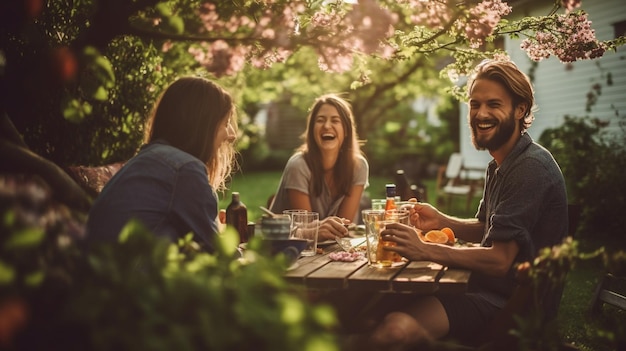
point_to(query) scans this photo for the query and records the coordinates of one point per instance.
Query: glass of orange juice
(375, 222)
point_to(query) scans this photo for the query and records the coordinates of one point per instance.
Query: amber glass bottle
(237, 216)
(385, 256)
(391, 197)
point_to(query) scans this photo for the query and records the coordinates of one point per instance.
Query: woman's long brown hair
(343, 169)
(187, 116)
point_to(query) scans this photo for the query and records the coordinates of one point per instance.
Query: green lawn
(255, 189)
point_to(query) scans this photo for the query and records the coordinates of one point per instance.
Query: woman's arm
(351, 203)
(299, 200)
(330, 227)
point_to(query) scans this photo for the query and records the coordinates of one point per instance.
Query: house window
(619, 29)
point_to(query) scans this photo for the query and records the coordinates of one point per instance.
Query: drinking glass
(378, 204)
(375, 222)
(290, 214)
(371, 220)
(306, 226)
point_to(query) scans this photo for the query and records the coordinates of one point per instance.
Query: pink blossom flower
(570, 5)
(219, 57)
(570, 39)
(482, 20)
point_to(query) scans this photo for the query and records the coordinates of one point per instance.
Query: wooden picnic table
(421, 277)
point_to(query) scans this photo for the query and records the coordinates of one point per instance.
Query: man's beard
(504, 132)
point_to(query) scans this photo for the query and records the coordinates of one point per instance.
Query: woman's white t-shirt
(297, 176)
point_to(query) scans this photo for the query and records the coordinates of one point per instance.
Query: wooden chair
(610, 290)
(452, 181)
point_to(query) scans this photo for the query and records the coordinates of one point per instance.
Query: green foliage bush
(142, 292)
(593, 163)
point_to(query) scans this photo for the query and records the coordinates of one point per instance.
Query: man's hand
(408, 243)
(424, 216)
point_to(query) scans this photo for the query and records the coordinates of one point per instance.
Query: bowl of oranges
(439, 236)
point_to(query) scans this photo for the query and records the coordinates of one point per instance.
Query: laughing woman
(328, 173)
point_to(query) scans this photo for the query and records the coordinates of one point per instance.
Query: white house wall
(561, 90)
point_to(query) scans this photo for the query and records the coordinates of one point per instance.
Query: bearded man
(523, 209)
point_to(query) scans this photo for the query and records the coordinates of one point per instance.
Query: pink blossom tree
(271, 31)
(109, 58)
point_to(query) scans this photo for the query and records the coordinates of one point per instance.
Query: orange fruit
(450, 233)
(436, 236)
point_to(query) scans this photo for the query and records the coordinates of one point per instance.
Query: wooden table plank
(370, 278)
(417, 277)
(454, 281)
(421, 277)
(305, 266)
(333, 275)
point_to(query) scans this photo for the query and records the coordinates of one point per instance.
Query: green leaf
(130, 229)
(105, 70)
(74, 110)
(98, 76)
(101, 94)
(25, 238)
(91, 52)
(71, 110)
(325, 316)
(293, 310)
(7, 273)
(320, 344)
(34, 279)
(227, 241)
(164, 9)
(9, 218)
(176, 25)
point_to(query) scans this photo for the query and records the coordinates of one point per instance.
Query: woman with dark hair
(328, 172)
(170, 185)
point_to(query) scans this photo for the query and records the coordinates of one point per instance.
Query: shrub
(593, 163)
(142, 292)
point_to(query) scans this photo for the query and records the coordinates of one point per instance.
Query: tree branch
(359, 110)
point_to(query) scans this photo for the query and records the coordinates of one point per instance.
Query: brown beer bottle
(387, 257)
(403, 189)
(237, 217)
(391, 197)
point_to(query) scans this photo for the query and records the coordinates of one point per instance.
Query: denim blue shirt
(524, 200)
(166, 189)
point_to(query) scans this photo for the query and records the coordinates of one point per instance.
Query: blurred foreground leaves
(141, 292)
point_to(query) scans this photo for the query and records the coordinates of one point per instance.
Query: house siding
(561, 89)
